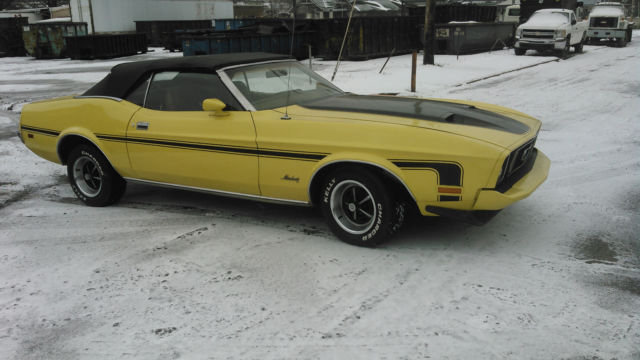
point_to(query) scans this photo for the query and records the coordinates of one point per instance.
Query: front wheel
(358, 207)
(520, 52)
(92, 178)
(564, 53)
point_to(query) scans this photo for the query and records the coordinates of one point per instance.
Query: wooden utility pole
(427, 34)
(414, 61)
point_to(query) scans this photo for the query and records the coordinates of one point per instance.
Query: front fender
(359, 158)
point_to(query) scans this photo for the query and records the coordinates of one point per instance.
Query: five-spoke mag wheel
(92, 178)
(360, 207)
(353, 207)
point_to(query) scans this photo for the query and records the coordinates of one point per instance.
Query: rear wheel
(579, 46)
(92, 178)
(359, 208)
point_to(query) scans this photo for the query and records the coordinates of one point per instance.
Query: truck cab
(551, 30)
(608, 22)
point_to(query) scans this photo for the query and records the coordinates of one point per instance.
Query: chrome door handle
(142, 125)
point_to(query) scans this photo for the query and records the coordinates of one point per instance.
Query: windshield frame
(242, 99)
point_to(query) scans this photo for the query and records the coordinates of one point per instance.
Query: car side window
(185, 91)
(136, 96)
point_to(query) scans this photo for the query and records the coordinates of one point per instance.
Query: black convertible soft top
(124, 76)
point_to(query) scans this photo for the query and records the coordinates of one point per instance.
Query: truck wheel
(629, 33)
(621, 42)
(564, 53)
(359, 208)
(578, 47)
(520, 52)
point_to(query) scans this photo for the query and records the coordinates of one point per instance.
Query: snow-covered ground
(168, 274)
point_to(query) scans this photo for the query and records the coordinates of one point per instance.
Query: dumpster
(46, 40)
(156, 30)
(105, 46)
(369, 37)
(11, 43)
(465, 38)
(229, 42)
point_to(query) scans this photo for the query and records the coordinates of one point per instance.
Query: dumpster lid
(124, 76)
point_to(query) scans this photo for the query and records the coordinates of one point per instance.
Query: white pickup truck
(551, 29)
(607, 22)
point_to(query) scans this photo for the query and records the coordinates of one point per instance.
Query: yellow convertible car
(265, 127)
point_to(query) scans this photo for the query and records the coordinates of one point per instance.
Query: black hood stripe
(431, 110)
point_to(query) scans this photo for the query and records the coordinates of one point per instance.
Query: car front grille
(603, 22)
(538, 34)
(517, 165)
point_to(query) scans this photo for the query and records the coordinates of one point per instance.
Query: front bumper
(540, 45)
(606, 33)
(491, 199)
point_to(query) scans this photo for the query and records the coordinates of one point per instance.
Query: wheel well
(68, 143)
(391, 181)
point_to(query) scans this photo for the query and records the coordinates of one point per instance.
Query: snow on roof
(55, 20)
(601, 10)
(548, 17)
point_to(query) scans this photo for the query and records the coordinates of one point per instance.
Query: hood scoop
(430, 110)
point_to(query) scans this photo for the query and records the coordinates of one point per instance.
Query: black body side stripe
(449, 173)
(41, 131)
(219, 148)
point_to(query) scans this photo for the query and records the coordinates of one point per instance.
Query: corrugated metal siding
(119, 15)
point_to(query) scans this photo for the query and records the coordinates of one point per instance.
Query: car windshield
(551, 18)
(275, 85)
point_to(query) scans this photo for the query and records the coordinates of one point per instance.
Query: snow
(606, 11)
(546, 18)
(174, 274)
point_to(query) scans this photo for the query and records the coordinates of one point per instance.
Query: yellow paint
(250, 148)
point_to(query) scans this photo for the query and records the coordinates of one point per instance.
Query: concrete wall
(119, 15)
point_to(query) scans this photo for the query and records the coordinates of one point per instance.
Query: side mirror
(215, 106)
(573, 22)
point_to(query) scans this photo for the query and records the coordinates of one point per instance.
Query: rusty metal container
(47, 40)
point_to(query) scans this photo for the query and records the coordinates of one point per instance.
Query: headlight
(519, 32)
(561, 34)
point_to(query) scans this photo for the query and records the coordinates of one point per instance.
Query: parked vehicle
(551, 30)
(265, 127)
(608, 22)
(510, 14)
(528, 7)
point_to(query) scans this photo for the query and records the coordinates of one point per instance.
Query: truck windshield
(543, 18)
(275, 85)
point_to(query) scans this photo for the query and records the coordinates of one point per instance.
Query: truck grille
(603, 22)
(517, 165)
(538, 34)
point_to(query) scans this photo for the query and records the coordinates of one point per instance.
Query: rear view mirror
(214, 105)
(573, 22)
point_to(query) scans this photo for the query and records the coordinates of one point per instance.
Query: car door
(172, 140)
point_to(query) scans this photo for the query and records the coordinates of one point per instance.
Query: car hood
(494, 124)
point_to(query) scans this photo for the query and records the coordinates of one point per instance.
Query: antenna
(293, 34)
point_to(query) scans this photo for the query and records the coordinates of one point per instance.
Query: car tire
(520, 52)
(92, 178)
(359, 208)
(621, 42)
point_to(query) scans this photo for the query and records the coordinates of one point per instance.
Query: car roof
(124, 77)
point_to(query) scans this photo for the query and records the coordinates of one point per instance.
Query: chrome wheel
(353, 207)
(87, 176)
